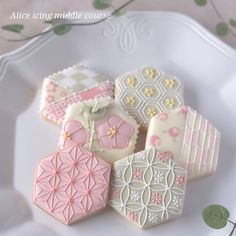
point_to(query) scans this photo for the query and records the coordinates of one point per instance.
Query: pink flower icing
(114, 133)
(155, 141)
(163, 116)
(51, 87)
(174, 132)
(164, 156)
(73, 133)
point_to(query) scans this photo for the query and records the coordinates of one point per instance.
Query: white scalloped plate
(172, 41)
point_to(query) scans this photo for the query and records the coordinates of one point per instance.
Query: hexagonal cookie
(149, 88)
(71, 85)
(189, 137)
(71, 184)
(148, 188)
(101, 126)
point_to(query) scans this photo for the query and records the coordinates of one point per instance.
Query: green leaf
(101, 4)
(61, 29)
(52, 21)
(119, 13)
(201, 3)
(222, 29)
(232, 22)
(17, 28)
(215, 216)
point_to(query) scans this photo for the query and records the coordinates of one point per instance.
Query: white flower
(177, 201)
(135, 196)
(152, 217)
(140, 155)
(158, 176)
(117, 173)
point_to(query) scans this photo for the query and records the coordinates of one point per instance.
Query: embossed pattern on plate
(171, 41)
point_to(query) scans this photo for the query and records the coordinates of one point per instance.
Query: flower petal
(114, 121)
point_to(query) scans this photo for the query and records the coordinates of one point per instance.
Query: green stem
(231, 233)
(220, 17)
(70, 24)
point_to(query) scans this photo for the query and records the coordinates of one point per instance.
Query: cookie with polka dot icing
(188, 137)
(102, 127)
(148, 188)
(71, 184)
(146, 92)
(71, 85)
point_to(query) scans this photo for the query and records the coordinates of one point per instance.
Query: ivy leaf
(119, 13)
(101, 4)
(215, 216)
(232, 22)
(201, 3)
(222, 29)
(16, 28)
(61, 29)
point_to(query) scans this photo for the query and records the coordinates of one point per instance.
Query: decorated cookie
(73, 82)
(147, 92)
(71, 184)
(188, 137)
(55, 111)
(102, 127)
(148, 188)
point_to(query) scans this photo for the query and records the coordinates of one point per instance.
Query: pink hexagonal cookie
(71, 184)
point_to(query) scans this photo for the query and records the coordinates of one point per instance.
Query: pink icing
(155, 141)
(71, 184)
(56, 111)
(114, 132)
(174, 132)
(165, 156)
(163, 116)
(73, 133)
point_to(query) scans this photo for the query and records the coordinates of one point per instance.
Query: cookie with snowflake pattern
(148, 188)
(102, 127)
(188, 137)
(71, 184)
(146, 92)
(71, 85)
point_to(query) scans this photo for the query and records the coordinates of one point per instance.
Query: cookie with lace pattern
(148, 188)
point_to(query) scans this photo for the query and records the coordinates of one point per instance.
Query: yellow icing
(170, 83)
(170, 102)
(149, 92)
(150, 72)
(131, 81)
(151, 111)
(112, 131)
(130, 100)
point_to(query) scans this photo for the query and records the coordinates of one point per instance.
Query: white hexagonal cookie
(187, 136)
(148, 188)
(147, 92)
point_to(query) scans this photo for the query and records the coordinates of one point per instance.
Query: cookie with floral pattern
(188, 137)
(148, 189)
(101, 126)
